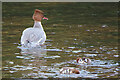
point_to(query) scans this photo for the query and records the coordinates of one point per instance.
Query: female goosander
(69, 70)
(35, 36)
(83, 60)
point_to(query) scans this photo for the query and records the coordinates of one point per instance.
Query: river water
(73, 30)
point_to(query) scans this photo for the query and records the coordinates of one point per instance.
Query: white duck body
(33, 37)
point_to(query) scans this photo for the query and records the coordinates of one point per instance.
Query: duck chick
(83, 60)
(69, 70)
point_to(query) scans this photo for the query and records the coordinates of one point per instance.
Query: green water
(73, 30)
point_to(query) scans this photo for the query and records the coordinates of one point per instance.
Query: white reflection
(36, 51)
(33, 57)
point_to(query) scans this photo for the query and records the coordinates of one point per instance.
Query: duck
(69, 70)
(83, 60)
(34, 36)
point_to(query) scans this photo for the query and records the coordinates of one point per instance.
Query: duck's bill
(45, 18)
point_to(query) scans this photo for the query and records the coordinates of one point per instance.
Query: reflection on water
(93, 33)
(37, 52)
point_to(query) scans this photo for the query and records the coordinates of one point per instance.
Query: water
(73, 30)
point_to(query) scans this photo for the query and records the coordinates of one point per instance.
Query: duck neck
(37, 24)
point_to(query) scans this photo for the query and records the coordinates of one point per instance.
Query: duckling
(83, 60)
(69, 70)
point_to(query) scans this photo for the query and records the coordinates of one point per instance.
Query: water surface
(73, 30)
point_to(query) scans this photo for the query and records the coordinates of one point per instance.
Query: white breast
(32, 37)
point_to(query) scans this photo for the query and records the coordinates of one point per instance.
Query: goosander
(69, 70)
(83, 60)
(35, 36)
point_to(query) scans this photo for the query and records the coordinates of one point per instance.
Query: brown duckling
(69, 70)
(83, 60)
